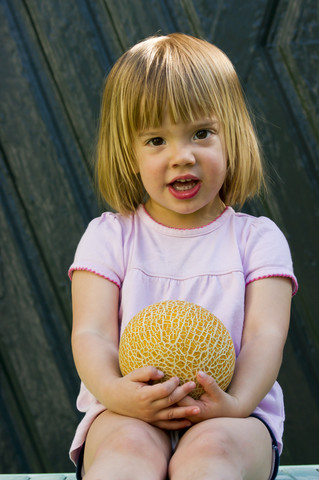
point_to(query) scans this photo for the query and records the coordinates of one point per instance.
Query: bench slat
(298, 472)
(295, 472)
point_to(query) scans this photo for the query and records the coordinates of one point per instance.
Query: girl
(176, 151)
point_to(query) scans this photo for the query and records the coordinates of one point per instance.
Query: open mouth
(183, 185)
(184, 188)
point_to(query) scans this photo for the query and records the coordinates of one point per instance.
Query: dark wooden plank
(290, 43)
(284, 130)
(135, 21)
(15, 447)
(79, 47)
(35, 346)
(40, 148)
(224, 23)
(34, 186)
(297, 387)
(47, 200)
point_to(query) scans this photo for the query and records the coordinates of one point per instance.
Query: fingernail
(161, 374)
(201, 374)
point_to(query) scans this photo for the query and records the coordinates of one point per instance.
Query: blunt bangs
(172, 77)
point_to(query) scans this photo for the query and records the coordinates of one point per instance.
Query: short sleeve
(100, 249)
(267, 253)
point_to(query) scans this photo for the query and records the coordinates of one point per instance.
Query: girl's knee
(224, 449)
(210, 451)
(134, 448)
(205, 458)
(131, 438)
(210, 442)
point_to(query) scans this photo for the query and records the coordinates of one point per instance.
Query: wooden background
(54, 55)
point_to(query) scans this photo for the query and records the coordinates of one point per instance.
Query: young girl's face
(182, 167)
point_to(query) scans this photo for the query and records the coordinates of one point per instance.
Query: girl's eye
(156, 142)
(202, 134)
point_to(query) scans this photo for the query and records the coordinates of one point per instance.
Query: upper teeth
(184, 180)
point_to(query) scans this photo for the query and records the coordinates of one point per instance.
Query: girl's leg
(223, 449)
(119, 447)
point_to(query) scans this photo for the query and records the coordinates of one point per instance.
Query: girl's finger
(165, 389)
(172, 424)
(174, 413)
(187, 402)
(171, 392)
(145, 374)
(209, 384)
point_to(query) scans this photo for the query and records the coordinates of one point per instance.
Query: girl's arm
(95, 338)
(267, 314)
(95, 330)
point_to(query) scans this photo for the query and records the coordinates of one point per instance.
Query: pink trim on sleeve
(294, 281)
(84, 269)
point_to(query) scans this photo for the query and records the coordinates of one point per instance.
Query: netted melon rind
(179, 338)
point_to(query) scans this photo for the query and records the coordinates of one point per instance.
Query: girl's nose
(182, 155)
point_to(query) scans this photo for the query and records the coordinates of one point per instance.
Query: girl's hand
(157, 404)
(213, 403)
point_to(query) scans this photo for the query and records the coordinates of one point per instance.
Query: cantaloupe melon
(179, 338)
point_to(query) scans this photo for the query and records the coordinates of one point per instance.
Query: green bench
(297, 472)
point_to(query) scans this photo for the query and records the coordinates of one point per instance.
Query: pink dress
(209, 266)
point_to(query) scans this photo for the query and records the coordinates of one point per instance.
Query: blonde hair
(190, 77)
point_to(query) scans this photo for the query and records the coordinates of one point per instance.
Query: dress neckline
(183, 232)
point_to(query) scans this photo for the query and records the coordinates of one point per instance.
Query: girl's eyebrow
(148, 133)
(209, 122)
(202, 123)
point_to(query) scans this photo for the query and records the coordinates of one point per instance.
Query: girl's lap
(111, 432)
(243, 444)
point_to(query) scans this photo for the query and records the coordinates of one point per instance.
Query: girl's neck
(184, 221)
